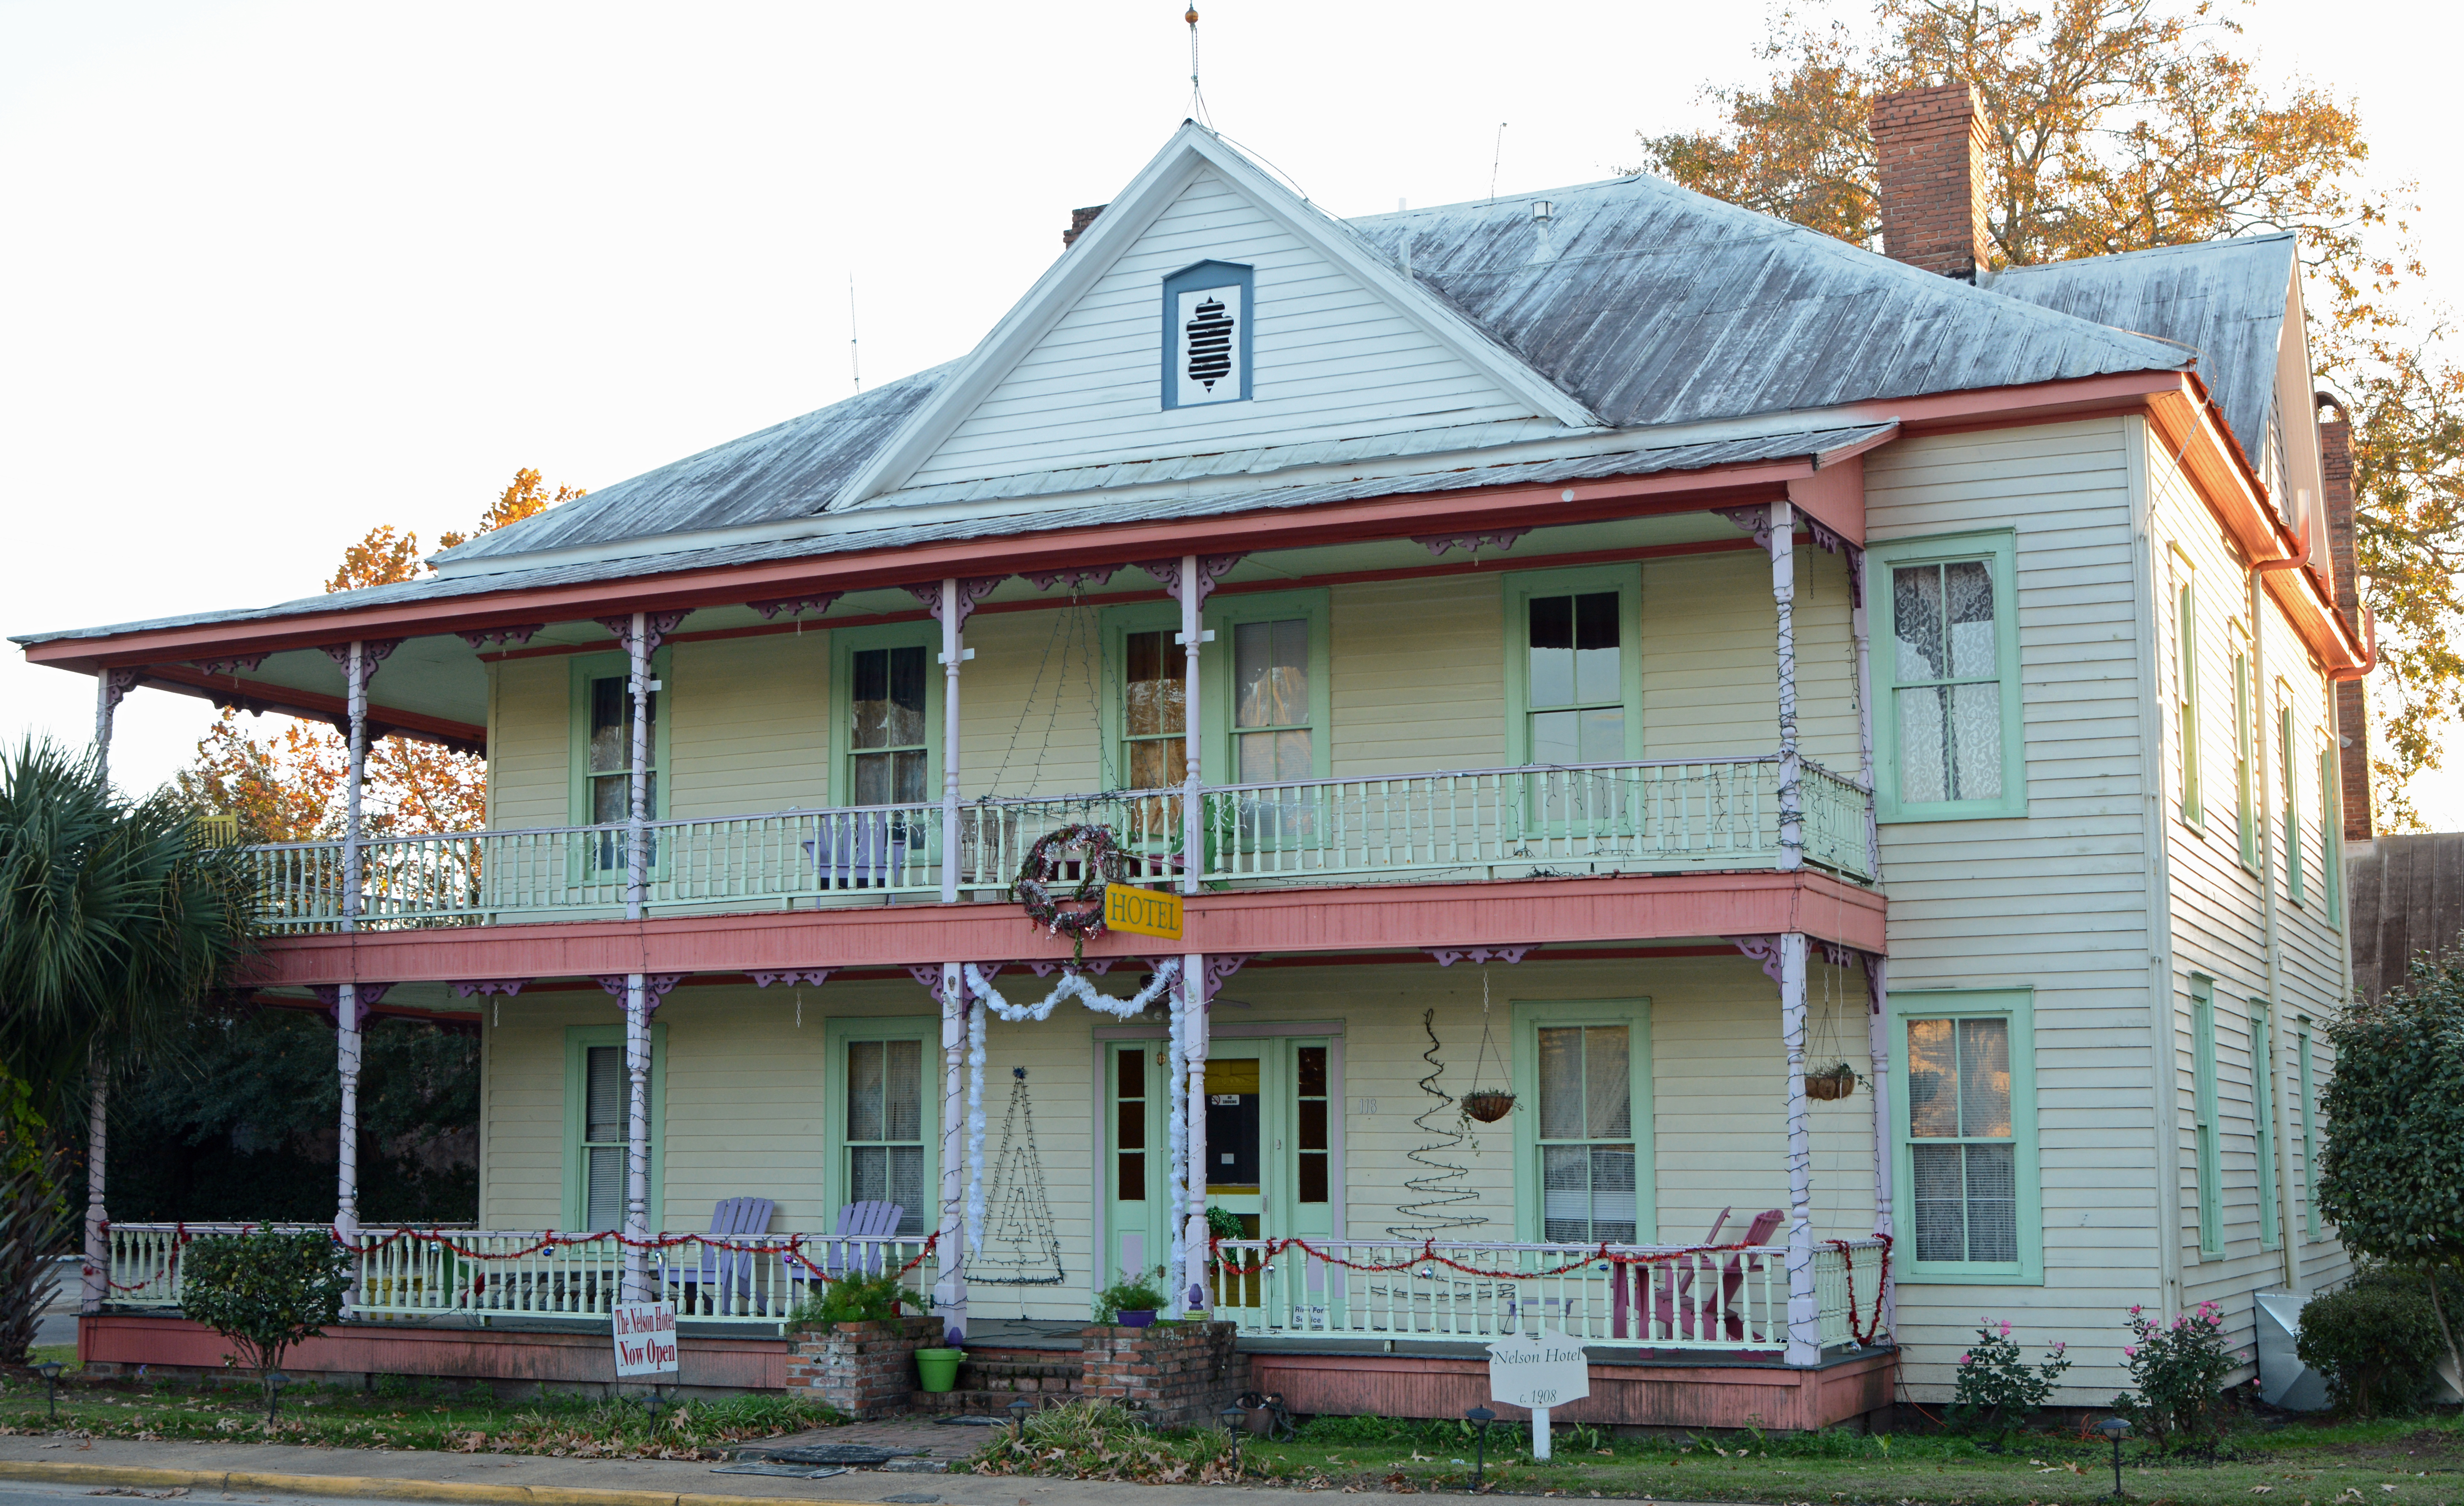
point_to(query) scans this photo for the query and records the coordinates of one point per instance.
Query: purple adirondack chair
(720, 1270)
(857, 1222)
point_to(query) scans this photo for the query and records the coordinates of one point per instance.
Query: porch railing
(411, 1274)
(1659, 1297)
(1494, 823)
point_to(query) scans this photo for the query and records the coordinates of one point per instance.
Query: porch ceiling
(1543, 911)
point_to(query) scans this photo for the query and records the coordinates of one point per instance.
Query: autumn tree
(2123, 124)
(288, 786)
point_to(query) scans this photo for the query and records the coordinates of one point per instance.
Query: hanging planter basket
(1488, 1106)
(1831, 1083)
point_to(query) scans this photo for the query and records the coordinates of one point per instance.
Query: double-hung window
(2186, 688)
(2207, 1130)
(2245, 752)
(2309, 1131)
(2331, 833)
(1947, 730)
(1154, 710)
(603, 755)
(884, 1124)
(2262, 1110)
(1968, 1191)
(1584, 1150)
(598, 1124)
(887, 726)
(2286, 742)
(1573, 681)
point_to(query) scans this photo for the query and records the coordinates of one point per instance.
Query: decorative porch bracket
(817, 603)
(365, 997)
(235, 663)
(1078, 578)
(656, 628)
(503, 988)
(1211, 568)
(971, 590)
(1471, 545)
(1448, 956)
(815, 976)
(510, 633)
(655, 986)
(1098, 966)
(373, 652)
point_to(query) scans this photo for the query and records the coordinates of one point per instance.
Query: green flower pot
(938, 1369)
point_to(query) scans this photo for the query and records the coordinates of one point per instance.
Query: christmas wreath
(1079, 914)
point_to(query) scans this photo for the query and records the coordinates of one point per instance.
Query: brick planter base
(1178, 1374)
(862, 1370)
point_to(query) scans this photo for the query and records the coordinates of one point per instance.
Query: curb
(379, 1488)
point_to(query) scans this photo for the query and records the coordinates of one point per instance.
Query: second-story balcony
(1655, 817)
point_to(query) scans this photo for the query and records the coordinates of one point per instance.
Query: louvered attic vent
(1206, 313)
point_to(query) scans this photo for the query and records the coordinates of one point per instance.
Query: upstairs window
(1573, 681)
(2185, 688)
(1947, 724)
(2245, 752)
(885, 725)
(1206, 341)
(1154, 710)
(611, 752)
(2286, 741)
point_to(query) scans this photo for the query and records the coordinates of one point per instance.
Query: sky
(278, 272)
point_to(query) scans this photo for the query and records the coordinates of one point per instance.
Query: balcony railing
(1483, 823)
(410, 1273)
(1660, 1297)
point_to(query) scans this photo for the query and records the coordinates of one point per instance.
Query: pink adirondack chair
(720, 1270)
(1677, 1311)
(1623, 1297)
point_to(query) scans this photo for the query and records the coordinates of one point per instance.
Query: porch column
(1878, 1041)
(94, 1289)
(1804, 1313)
(637, 1003)
(1791, 790)
(346, 1007)
(1193, 821)
(1193, 1037)
(1859, 629)
(950, 1285)
(951, 656)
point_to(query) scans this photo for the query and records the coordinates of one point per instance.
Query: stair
(990, 1379)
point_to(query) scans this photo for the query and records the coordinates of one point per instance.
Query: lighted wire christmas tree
(1021, 1246)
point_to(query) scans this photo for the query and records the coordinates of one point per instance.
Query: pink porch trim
(729, 1362)
(1384, 917)
(1772, 1397)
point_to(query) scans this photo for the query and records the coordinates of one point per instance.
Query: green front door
(1136, 1162)
(1270, 1164)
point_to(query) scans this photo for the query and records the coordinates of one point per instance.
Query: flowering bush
(1998, 1389)
(2180, 1371)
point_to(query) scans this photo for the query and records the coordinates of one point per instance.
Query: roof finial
(1197, 97)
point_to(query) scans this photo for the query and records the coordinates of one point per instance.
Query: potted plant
(1134, 1300)
(1836, 1081)
(1488, 1106)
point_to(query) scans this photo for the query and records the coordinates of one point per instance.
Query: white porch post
(1858, 621)
(637, 1004)
(1792, 790)
(950, 1285)
(94, 1288)
(951, 656)
(1804, 1314)
(1193, 1035)
(1877, 1042)
(346, 1006)
(1193, 821)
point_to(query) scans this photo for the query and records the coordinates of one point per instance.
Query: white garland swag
(1071, 984)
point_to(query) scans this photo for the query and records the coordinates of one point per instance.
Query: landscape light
(2115, 1429)
(50, 1370)
(1235, 1420)
(1480, 1417)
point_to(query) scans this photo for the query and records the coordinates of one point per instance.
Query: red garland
(1848, 1269)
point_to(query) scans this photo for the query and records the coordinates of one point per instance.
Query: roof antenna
(1494, 159)
(1196, 98)
(855, 368)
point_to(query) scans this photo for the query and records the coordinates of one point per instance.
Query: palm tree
(116, 919)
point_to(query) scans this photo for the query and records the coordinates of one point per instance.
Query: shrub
(1998, 1389)
(2375, 1343)
(1132, 1294)
(855, 1299)
(265, 1291)
(2179, 1371)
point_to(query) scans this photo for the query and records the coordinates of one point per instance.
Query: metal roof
(1651, 304)
(2225, 299)
(1803, 444)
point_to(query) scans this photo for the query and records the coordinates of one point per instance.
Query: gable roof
(2227, 300)
(1638, 305)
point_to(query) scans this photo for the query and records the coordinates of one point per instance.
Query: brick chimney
(2352, 703)
(1079, 220)
(1935, 153)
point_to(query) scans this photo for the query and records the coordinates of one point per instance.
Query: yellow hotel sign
(1141, 912)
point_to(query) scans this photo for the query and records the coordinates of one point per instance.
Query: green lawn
(2298, 1464)
(402, 1414)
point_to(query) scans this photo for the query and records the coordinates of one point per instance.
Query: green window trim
(845, 644)
(1530, 1018)
(1225, 613)
(2245, 760)
(2185, 691)
(2262, 1109)
(2016, 1007)
(2210, 1163)
(2331, 834)
(578, 1041)
(1998, 549)
(2309, 1130)
(838, 1033)
(1519, 588)
(588, 668)
(2295, 888)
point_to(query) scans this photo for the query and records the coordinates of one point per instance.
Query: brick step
(1018, 1368)
(974, 1380)
(994, 1404)
(995, 1354)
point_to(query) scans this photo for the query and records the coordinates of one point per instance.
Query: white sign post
(1538, 1374)
(646, 1339)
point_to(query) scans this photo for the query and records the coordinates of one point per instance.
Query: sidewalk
(214, 1470)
